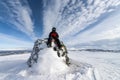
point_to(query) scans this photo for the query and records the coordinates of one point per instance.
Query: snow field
(106, 65)
(52, 67)
(84, 66)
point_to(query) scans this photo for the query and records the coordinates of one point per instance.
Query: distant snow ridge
(52, 67)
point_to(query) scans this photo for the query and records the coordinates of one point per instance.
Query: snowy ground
(106, 64)
(92, 66)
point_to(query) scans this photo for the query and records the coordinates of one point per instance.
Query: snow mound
(52, 67)
(48, 67)
(49, 63)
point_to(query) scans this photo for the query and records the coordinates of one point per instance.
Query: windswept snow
(52, 67)
(107, 65)
(49, 63)
(84, 66)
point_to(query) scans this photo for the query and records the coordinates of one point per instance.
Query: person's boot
(58, 53)
(67, 60)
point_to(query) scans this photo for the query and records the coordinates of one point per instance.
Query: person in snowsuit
(53, 35)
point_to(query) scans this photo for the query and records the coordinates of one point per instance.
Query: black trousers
(57, 41)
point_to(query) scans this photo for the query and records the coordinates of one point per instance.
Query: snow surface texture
(105, 66)
(49, 67)
(49, 63)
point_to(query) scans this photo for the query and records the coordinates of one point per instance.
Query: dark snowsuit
(54, 35)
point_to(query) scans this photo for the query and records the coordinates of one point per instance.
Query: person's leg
(58, 43)
(67, 60)
(49, 42)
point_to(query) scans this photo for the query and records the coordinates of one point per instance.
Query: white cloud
(107, 29)
(73, 16)
(51, 14)
(19, 16)
(77, 20)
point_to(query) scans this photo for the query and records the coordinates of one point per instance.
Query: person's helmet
(53, 29)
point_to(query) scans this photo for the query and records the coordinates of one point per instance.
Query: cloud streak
(72, 16)
(19, 15)
(108, 29)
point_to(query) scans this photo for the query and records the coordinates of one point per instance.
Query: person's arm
(57, 35)
(50, 34)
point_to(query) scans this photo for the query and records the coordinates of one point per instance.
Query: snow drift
(48, 67)
(51, 67)
(105, 66)
(49, 63)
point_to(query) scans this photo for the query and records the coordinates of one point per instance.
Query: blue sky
(12, 24)
(24, 21)
(7, 10)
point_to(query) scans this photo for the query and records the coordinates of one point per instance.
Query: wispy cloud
(108, 29)
(51, 12)
(77, 16)
(19, 15)
(72, 16)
